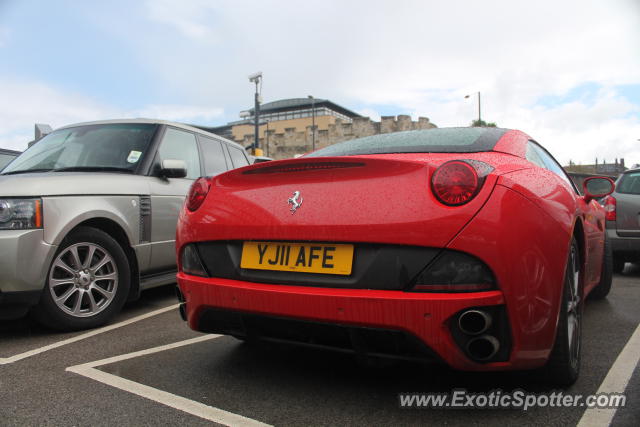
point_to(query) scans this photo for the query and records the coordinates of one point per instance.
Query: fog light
(191, 263)
(455, 271)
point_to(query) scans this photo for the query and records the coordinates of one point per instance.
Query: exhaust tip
(483, 348)
(474, 322)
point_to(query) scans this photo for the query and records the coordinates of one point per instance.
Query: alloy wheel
(574, 313)
(83, 279)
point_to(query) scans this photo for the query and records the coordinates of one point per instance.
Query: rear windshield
(629, 183)
(438, 140)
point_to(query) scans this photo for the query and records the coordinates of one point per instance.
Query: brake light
(455, 183)
(610, 208)
(197, 193)
(302, 167)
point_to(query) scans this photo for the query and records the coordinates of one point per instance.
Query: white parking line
(615, 382)
(11, 359)
(169, 399)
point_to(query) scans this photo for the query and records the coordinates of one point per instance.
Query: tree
(482, 123)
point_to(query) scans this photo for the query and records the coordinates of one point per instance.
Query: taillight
(197, 193)
(610, 208)
(458, 181)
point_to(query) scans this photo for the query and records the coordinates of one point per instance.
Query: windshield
(5, 159)
(116, 147)
(439, 140)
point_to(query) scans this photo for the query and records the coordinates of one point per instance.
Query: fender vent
(145, 219)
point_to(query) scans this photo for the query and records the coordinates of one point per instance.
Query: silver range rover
(88, 216)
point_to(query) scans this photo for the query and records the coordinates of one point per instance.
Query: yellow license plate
(299, 257)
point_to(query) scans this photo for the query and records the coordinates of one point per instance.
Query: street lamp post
(267, 138)
(313, 122)
(479, 108)
(257, 79)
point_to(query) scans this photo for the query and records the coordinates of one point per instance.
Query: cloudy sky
(566, 72)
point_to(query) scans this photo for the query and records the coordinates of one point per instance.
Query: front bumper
(422, 315)
(24, 261)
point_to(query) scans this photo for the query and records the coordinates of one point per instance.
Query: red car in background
(465, 245)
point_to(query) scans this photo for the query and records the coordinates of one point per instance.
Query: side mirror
(596, 187)
(173, 168)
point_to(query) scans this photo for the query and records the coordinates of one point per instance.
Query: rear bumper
(623, 244)
(426, 317)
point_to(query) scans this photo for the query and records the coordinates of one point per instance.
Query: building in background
(579, 173)
(602, 168)
(286, 126)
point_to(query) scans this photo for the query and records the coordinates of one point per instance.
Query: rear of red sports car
(445, 244)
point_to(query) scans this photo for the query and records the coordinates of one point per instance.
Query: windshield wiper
(92, 169)
(26, 171)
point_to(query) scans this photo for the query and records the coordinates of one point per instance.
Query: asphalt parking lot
(148, 368)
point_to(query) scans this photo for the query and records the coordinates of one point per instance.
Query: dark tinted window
(181, 145)
(214, 162)
(445, 140)
(237, 157)
(629, 183)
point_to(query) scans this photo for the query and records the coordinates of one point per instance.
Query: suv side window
(551, 163)
(214, 161)
(237, 157)
(181, 145)
(628, 183)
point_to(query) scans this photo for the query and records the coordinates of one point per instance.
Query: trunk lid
(381, 198)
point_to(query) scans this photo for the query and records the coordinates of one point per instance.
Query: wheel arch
(116, 231)
(578, 233)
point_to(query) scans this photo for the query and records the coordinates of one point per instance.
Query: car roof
(156, 122)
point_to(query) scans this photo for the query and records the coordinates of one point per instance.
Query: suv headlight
(20, 214)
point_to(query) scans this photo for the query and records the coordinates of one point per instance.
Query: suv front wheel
(87, 283)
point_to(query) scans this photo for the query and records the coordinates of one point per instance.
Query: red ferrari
(464, 245)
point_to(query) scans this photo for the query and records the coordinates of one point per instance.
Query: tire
(618, 264)
(606, 277)
(82, 293)
(563, 366)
